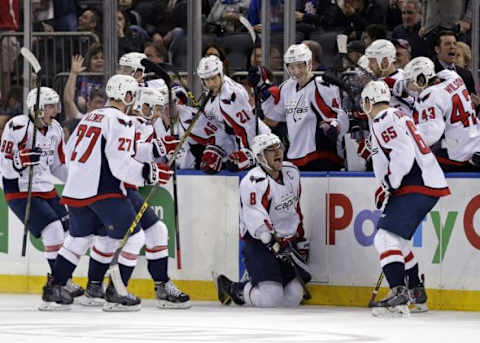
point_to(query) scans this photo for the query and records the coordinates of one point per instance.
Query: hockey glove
(330, 129)
(243, 159)
(270, 242)
(156, 173)
(164, 146)
(257, 78)
(382, 194)
(212, 159)
(303, 248)
(365, 148)
(26, 157)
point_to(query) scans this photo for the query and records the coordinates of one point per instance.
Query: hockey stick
(375, 290)
(258, 107)
(114, 270)
(32, 60)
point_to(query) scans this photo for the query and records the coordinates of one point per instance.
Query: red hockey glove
(382, 194)
(26, 157)
(365, 148)
(243, 159)
(212, 159)
(156, 173)
(164, 146)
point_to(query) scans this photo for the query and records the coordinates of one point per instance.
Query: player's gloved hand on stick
(164, 146)
(382, 193)
(156, 173)
(257, 78)
(26, 158)
(270, 242)
(212, 159)
(330, 129)
(364, 149)
(242, 158)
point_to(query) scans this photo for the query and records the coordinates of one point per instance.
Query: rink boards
(339, 218)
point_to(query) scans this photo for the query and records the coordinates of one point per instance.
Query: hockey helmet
(210, 66)
(133, 60)
(375, 92)
(119, 85)
(262, 142)
(152, 97)
(298, 53)
(48, 96)
(419, 71)
(379, 49)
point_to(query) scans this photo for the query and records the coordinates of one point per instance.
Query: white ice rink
(20, 321)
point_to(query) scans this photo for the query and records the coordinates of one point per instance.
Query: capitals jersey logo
(297, 109)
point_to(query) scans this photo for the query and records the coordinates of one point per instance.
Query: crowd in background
(158, 29)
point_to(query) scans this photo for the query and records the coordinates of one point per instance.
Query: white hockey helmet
(298, 53)
(363, 62)
(133, 60)
(152, 97)
(158, 84)
(48, 96)
(119, 85)
(420, 69)
(375, 92)
(379, 49)
(210, 66)
(262, 142)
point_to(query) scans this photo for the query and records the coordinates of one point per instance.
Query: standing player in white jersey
(411, 181)
(312, 110)
(47, 158)
(231, 114)
(445, 115)
(99, 160)
(381, 55)
(271, 228)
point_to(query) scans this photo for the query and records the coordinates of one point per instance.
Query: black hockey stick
(375, 290)
(114, 271)
(32, 60)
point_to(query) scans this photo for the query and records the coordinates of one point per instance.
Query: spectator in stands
(9, 46)
(403, 52)
(13, 104)
(90, 20)
(440, 15)
(316, 50)
(94, 63)
(126, 6)
(355, 50)
(155, 51)
(394, 14)
(410, 27)
(463, 56)
(446, 54)
(372, 33)
(224, 15)
(96, 99)
(128, 40)
(276, 60)
(65, 15)
(214, 49)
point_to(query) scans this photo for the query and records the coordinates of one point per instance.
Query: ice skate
(74, 289)
(418, 298)
(115, 302)
(395, 304)
(94, 294)
(225, 292)
(55, 297)
(169, 296)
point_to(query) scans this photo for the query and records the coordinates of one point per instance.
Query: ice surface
(20, 321)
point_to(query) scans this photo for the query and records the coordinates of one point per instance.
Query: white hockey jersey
(445, 110)
(400, 155)
(17, 135)
(266, 202)
(406, 105)
(303, 109)
(232, 114)
(99, 158)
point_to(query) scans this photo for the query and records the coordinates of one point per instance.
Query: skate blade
(114, 307)
(400, 311)
(53, 307)
(418, 308)
(228, 299)
(90, 302)
(165, 304)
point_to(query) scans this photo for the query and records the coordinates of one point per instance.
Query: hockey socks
(125, 272)
(158, 269)
(395, 274)
(51, 263)
(412, 275)
(97, 270)
(62, 270)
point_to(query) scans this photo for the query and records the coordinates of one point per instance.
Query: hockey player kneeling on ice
(49, 219)
(411, 182)
(271, 228)
(99, 161)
